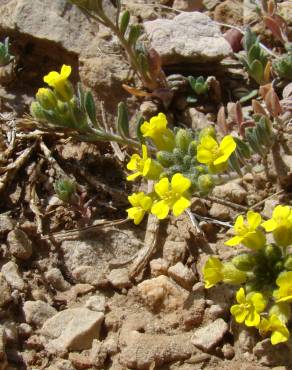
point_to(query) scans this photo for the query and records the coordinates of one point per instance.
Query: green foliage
(65, 190)
(283, 66)
(198, 85)
(5, 56)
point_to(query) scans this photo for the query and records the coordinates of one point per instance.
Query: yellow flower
(248, 233)
(248, 308)
(157, 130)
(173, 196)
(141, 204)
(59, 81)
(215, 155)
(46, 98)
(213, 272)
(281, 225)
(144, 166)
(280, 333)
(284, 282)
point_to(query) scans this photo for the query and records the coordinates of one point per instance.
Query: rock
(37, 312)
(270, 355)
(25, 330)
(188, 5)
(6, 223)
(210, 335)
(182, 275)
(56, 279)
(119, 278)
(72, 329)
(219, 212)
(196, 119)
(88, 275)
(5, 296)
(96, 303)
(162, 293)
(199, 206)
(148, 109)
(230, 191)
(215, 311)
(173, 39)
(174, 251)
(3, 358)
(61, 364)
(140, 351)
(228, 351)
(269, 206)
(158, 267)
(98, 354)
(229, 12)
(13, 277)
(20, 245)
(210, 4)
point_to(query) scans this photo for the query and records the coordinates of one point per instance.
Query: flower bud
(273, 252)
(231, 275)
(187, 162)
(36, 110)
(244, 261)
(178, 155)
(205, 184)
(288, 262)
(165, 158)
(183, 139)
(207, 131)
(46, 98)
(192, 150)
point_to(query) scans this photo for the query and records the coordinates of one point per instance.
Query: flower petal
(280, 336)
(144, 152)
(269, 225)
(65, 71)
(179, 183)
(252, 319)
(239, 313)
(136, 214)
(234, 241)
(240, 296)
(180, 205)
(162, 187)
(227, 145)
(204, 155)
(51, 78)
(254, 219)
(160, 209)
(133, 176)
(133, 164)
(258, 300)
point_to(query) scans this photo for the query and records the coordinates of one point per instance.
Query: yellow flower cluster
(266, 272)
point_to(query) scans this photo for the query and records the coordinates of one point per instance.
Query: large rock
(188, 37)
(208, 336)
(73, 329)
(12, 275)
(5, 296)
(20, 245)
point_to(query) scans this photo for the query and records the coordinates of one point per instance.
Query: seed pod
(178, 155)
(205, 183)
(192, 150)
(244, 261)
(166, 159)
(288, 262)
(273, 252)
(183, 139)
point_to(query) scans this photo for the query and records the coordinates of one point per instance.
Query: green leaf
(257, 71)
(242, 148)
(249, 39)
(123, 120)
(140, 121)
(253, 141)
(124, 22)
(135, 32)
(143, 62)
(234, 163)
(192, 82)
(252, 94)
(90, 108)
(254, 53)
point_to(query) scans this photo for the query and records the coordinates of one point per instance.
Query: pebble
(119, 278)
(174, 251)
(6, 223)
(19, 244)
(230, 191)
(183, 275)
(5, 296)
(96, 303)
(37, 312)
(158, 267)
(219, 212)
(11, 273)
(56, 279)
(207, 337)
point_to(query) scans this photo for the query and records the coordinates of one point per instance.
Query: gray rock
(6, 223)
(119, 278)
(230, 191)
(182, 275)
(188, 37)
(96, 303)
(12, 275)
(37, 312)
(72, 329)
(5, 296)
(56, 279)
(219, 212)
(210, 335)
(20, 245)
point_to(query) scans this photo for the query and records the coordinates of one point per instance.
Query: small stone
(98, 354)
(228, 351)
(61, 365)
(12, 275)
(230, 12)
(6, 223)
(148, 109)
(5, 296)
(162, 293)
(20, 245)
(182, 275)
(11, 332)
(172, 38)
(174, 251)
(37, 312)
(210, 335)
(196, 119)
(56, 279)
(72, 329)
(88, 275)
(96, 303)
(270, 204)
(119, 278)
(199, 206)
(219, 212)
(24, 330)
(158, 267)
(215, 311)
(230, 191)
